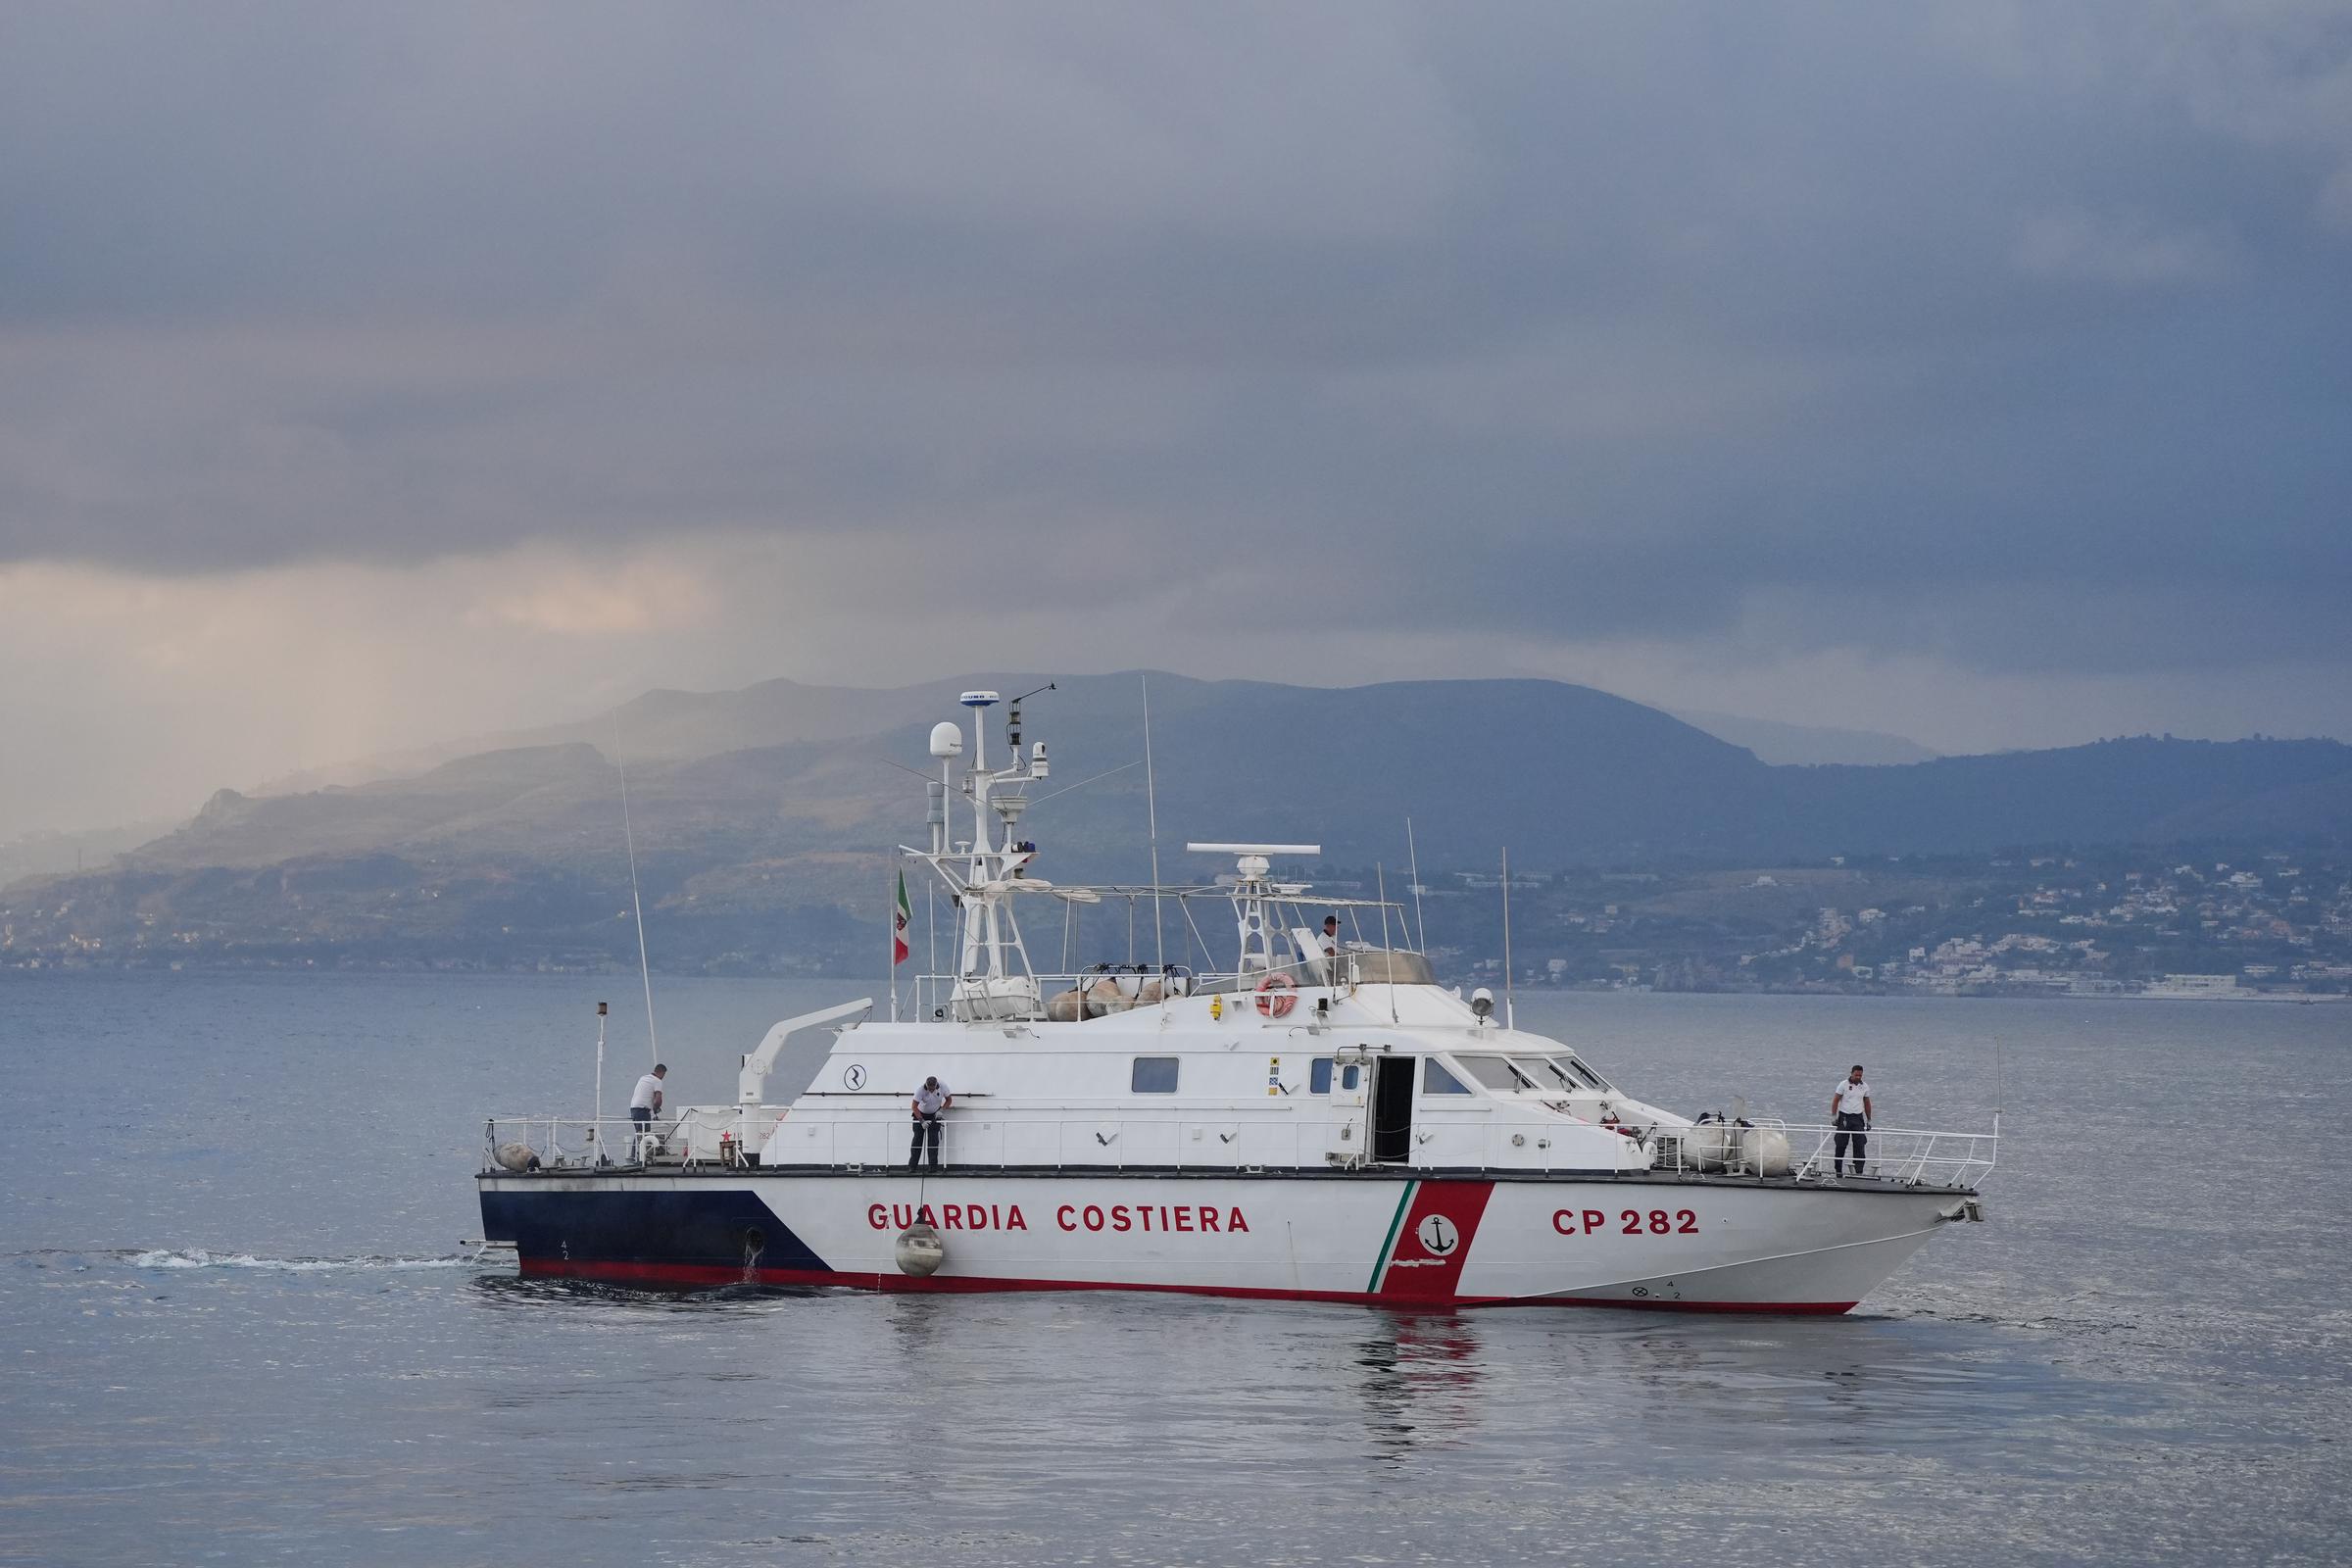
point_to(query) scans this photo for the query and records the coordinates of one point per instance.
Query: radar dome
(946, 740)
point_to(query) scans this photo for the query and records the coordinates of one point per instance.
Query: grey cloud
(2018, 333)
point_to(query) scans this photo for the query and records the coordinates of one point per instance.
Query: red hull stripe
(1434, 1242)
(703, 1276)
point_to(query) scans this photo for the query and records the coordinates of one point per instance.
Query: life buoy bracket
(1275, 996)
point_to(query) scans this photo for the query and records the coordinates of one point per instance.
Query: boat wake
(199, 1257)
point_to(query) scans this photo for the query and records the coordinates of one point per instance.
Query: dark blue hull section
(723, 1230)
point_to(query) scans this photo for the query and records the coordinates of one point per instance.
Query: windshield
(1550, 1075)
(1497, 1073)
(1584, 1076)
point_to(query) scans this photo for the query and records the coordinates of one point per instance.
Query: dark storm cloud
(2015, 336)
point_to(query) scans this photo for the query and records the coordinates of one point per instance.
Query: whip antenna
(1509, 1014)
(1152, 816)
(644, 968)
(1421, 932)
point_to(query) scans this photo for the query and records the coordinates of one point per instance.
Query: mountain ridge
(783, 845)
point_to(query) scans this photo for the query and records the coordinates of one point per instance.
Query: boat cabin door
(1391, 1109)
(1351, 1135)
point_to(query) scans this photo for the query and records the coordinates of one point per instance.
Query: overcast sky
(372, 374)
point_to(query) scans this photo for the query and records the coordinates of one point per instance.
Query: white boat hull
(1724, 1244)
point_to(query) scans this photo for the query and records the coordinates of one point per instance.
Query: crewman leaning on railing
(931, 1102)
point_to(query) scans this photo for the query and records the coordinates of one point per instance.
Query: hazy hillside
(772, 851)
(1806, 744)
(1580, 773)
(2141, 790)
(45, 853)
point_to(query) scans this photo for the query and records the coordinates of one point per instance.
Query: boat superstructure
(1318, 1118)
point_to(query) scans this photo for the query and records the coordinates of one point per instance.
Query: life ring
(1274, 998)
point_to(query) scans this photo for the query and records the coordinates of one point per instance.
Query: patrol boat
(1323, 1121)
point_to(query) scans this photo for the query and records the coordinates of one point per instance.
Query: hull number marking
(1629, 1222)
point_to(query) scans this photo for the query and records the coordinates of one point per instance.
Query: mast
(982, 956)
(1253, 896)
(989, 960)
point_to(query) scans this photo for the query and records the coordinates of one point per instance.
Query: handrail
(1242, 1140)
(579, 1142)
(1904, 1155)
(935, 995)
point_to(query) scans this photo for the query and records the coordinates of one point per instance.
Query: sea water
(237, 1325)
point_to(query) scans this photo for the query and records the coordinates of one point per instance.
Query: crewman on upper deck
(645, 1101)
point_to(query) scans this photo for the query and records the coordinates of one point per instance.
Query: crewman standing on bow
(1849, 1109)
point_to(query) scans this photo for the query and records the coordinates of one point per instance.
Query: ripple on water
(2134, 1359)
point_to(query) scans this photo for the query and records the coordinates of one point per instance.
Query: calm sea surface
(236, 1324)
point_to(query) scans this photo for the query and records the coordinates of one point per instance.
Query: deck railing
(702, 1136)
(1907, 1156)
(937, 996)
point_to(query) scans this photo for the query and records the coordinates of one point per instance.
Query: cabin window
(1351, 1075)
(1497, 1073)
(1436, 1080)
(1154, 1075)
(1318, 1076)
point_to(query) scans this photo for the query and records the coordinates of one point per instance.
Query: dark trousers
(1849, 1131)
(924, 1126)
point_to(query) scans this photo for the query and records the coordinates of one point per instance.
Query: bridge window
(1436, 1080)
(1318, 1076)
(1154, 1075)
(1496, 1073)
(1592, 1079)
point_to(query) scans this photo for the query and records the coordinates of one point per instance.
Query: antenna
(598, 1125)
(1421, 936)
(1388, 957)
(1151, 813)
(1012, 717)
(644, 968)
(1510, 1017)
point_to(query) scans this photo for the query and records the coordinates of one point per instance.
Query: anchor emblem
(1438, 1236)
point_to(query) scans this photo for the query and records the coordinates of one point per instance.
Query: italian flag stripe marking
(1388, 1246)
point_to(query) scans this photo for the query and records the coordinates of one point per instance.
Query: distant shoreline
(854, 978)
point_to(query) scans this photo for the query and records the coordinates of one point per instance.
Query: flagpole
(890, 926)
(901, 931)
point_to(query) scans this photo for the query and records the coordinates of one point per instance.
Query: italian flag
(899, 919)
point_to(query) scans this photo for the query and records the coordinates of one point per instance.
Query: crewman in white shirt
(930, 1101)
(647, 1097)
(1849, 1112)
